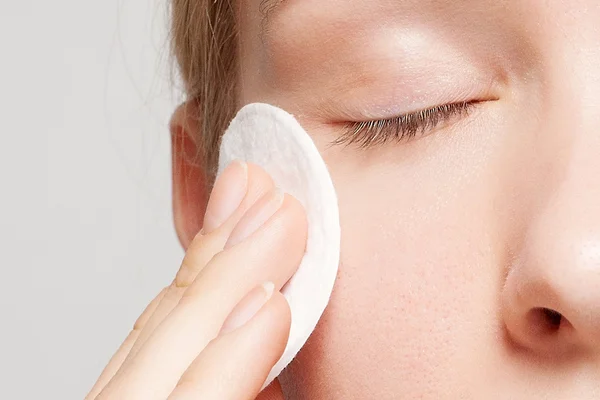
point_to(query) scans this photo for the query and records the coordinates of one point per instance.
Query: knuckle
(213, 272)
(147, 313)
(200, 252)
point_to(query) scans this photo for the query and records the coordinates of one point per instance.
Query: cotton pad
(271, 138)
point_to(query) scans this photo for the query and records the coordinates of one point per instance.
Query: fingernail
(248, 307)
(256, 216)
(227, 195)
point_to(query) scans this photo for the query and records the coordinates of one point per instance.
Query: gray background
(85, 218)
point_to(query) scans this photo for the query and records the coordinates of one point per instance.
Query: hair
(204, 45)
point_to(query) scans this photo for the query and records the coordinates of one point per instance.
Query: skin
(453, 240)
(223, 314)
(456, 241)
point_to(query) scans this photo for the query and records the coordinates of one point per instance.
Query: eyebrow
(266, 8)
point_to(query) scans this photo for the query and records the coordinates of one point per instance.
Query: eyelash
(407, 126)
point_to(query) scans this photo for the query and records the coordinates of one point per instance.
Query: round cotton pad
(271, 138)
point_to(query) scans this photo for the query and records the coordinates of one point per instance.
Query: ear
(190, 189)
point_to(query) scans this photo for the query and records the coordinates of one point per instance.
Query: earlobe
(190, 189)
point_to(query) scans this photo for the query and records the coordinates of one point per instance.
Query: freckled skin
(455, 244)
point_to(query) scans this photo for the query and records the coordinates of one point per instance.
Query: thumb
(272, 392)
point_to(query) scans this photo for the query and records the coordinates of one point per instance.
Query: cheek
(414, 284)
(417, 292)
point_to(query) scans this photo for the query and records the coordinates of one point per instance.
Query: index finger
(117, 359)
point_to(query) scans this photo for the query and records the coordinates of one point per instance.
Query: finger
(272, 253)
(214, 234)
(234, 366)
(118, 358)
(205, 246)
(272, 392)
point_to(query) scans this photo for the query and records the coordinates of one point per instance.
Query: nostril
(554, 318)
(545, 321)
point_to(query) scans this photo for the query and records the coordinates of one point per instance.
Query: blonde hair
(204, 43)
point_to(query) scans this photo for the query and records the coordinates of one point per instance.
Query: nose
(551, 296)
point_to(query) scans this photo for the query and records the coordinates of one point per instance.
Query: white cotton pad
(271, 138)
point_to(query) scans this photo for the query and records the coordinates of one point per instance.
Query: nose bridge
(561, 257)
(570, 39)
(551, 295)
(572, 141)
(570, 135)
(559, 266)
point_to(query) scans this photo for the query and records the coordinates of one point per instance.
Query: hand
(218, 329)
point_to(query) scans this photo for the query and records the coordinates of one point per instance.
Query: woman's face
(471, 244)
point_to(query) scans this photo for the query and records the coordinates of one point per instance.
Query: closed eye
(404, 127)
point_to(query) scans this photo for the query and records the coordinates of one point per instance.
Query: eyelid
(407, 126)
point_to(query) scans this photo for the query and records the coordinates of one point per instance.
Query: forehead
(292, 22)
(460, 14)
(295, 45)
(291, 32)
